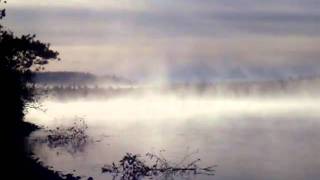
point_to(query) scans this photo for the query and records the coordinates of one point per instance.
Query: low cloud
(185, 38)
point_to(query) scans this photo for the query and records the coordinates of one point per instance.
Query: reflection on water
(251, 138)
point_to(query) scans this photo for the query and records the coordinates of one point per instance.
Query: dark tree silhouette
(19, 56)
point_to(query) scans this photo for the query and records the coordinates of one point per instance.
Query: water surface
(248, 138)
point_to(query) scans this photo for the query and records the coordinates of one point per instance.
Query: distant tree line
(75, 78)
(64, 77)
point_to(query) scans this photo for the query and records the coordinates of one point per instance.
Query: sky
(201, 40)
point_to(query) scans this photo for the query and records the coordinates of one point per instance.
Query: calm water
(248, 138)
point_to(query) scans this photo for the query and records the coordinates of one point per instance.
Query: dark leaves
(23, 53)
(19, 57)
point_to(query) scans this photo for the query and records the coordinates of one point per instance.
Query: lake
(249, 138)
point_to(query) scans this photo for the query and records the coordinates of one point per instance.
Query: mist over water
(248, 137)
(233, 83)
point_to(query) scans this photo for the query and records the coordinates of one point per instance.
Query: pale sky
(176, 39)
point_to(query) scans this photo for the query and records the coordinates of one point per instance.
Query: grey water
(251, 138)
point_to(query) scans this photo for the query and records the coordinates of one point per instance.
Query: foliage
(19, 57)
(72, 138)
(132, 167)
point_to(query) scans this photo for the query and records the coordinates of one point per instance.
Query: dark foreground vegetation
(73, 138)
(134, 167)
(20, 56)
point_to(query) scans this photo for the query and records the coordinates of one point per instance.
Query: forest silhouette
(20, 57)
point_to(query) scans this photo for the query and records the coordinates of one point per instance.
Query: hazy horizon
(170, 89)
(162, 40)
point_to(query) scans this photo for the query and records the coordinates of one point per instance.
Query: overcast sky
(176, 39)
